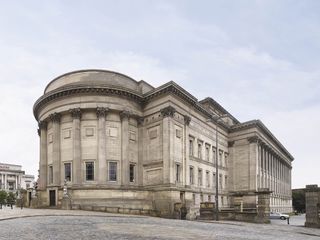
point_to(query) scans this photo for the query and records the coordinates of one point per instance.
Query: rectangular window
(207, 152)
(207, 179)
(191, 176)
(220, 181)
(50, 174)
(89, 171)
(67, 172)
(220, 158)
(132, 172)
(226, 181)
(209, 198)
(191, 147)
(226, 160)
(200, 150)
(200, 177)
(177, 173)
(193, 198)
(112, 171)
(201, 197)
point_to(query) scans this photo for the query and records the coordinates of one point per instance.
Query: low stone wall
(312, 206)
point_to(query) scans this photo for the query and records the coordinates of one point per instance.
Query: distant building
(12, 178)
(121, 143)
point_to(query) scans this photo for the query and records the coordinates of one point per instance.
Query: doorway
(52, 198)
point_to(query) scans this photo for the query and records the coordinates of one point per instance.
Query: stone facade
(12, 178)
(123, 145)
(312, 206)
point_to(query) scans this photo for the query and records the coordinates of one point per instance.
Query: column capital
(42, 124)
(55, 117)
(254, 139)
(102, 112)
(140, 120)
(75, 113)
(186, 119)
(230, 143)
(168, 111)
(125, 114)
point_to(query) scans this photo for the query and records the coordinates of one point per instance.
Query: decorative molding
(186, 119)
(55, 117)
(231, 143)
(140, 120)
(76, 113)
(125, 114)
(102, 112)
(168, 111)
(254, 139)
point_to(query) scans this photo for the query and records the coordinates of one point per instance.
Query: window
(220, 181)
(50, 174)
(207, 179)
(132, 172)
(226, 181)
(89, 171)
(200, 177)
(200, 150)
(112, 171)
(67, 172)
(177, 173)
(191, 147)
(220, 158)
(226, 159)
(209, 198)
(214, 180)
(201, 197)
(194, 198)
(214, 156)
(191, 176)
(207, 152)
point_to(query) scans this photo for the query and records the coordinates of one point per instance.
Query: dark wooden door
(52, 198)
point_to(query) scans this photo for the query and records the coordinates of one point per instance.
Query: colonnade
(77, 168)
(6, 177)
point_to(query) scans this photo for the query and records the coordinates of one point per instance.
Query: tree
(11, 198)
(299, 201)
(3, 198)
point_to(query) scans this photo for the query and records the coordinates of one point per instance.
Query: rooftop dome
(93, 77)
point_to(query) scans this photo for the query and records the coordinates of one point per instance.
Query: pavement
(75, 224)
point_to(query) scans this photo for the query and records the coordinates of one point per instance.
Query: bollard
(288, 220)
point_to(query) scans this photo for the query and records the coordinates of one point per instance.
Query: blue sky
(259, 59)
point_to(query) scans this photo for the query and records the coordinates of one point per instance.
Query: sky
(259, 59)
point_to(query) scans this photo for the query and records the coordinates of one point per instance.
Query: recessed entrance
(52, 198)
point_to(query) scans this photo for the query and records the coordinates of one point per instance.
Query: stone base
(65, 204)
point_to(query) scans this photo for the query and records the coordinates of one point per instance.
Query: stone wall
(312, 206)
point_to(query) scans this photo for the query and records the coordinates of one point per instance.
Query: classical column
(55, 118)
(102, 160)
(5, 181)
(140, 121)
(168, 165)
(186, 178)
(43, 156)
(124, 116)
(76, 146)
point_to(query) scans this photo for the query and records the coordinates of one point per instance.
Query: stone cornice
(265, 130)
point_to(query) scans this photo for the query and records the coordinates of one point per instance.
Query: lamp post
(217, 168)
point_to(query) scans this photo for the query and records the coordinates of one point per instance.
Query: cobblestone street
(58, 224)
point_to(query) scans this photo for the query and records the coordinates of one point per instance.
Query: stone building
(12, 177)
(124, 144)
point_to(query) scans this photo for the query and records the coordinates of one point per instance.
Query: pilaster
(102, 160)
(124, 116)
(55, 118)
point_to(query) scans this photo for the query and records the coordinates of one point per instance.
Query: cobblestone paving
(75, 225)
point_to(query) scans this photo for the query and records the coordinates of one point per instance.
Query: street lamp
(217, 168)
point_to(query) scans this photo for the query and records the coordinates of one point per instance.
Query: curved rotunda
(123, 145)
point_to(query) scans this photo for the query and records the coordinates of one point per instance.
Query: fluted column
(186, 172)
(168, 165)
(55, 118)
(43, 165)
(102, 160)
(125, 115)
(76, 143)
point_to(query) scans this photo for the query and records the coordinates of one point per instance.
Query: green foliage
(299, 201)
(3, 197)
(11, 197)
